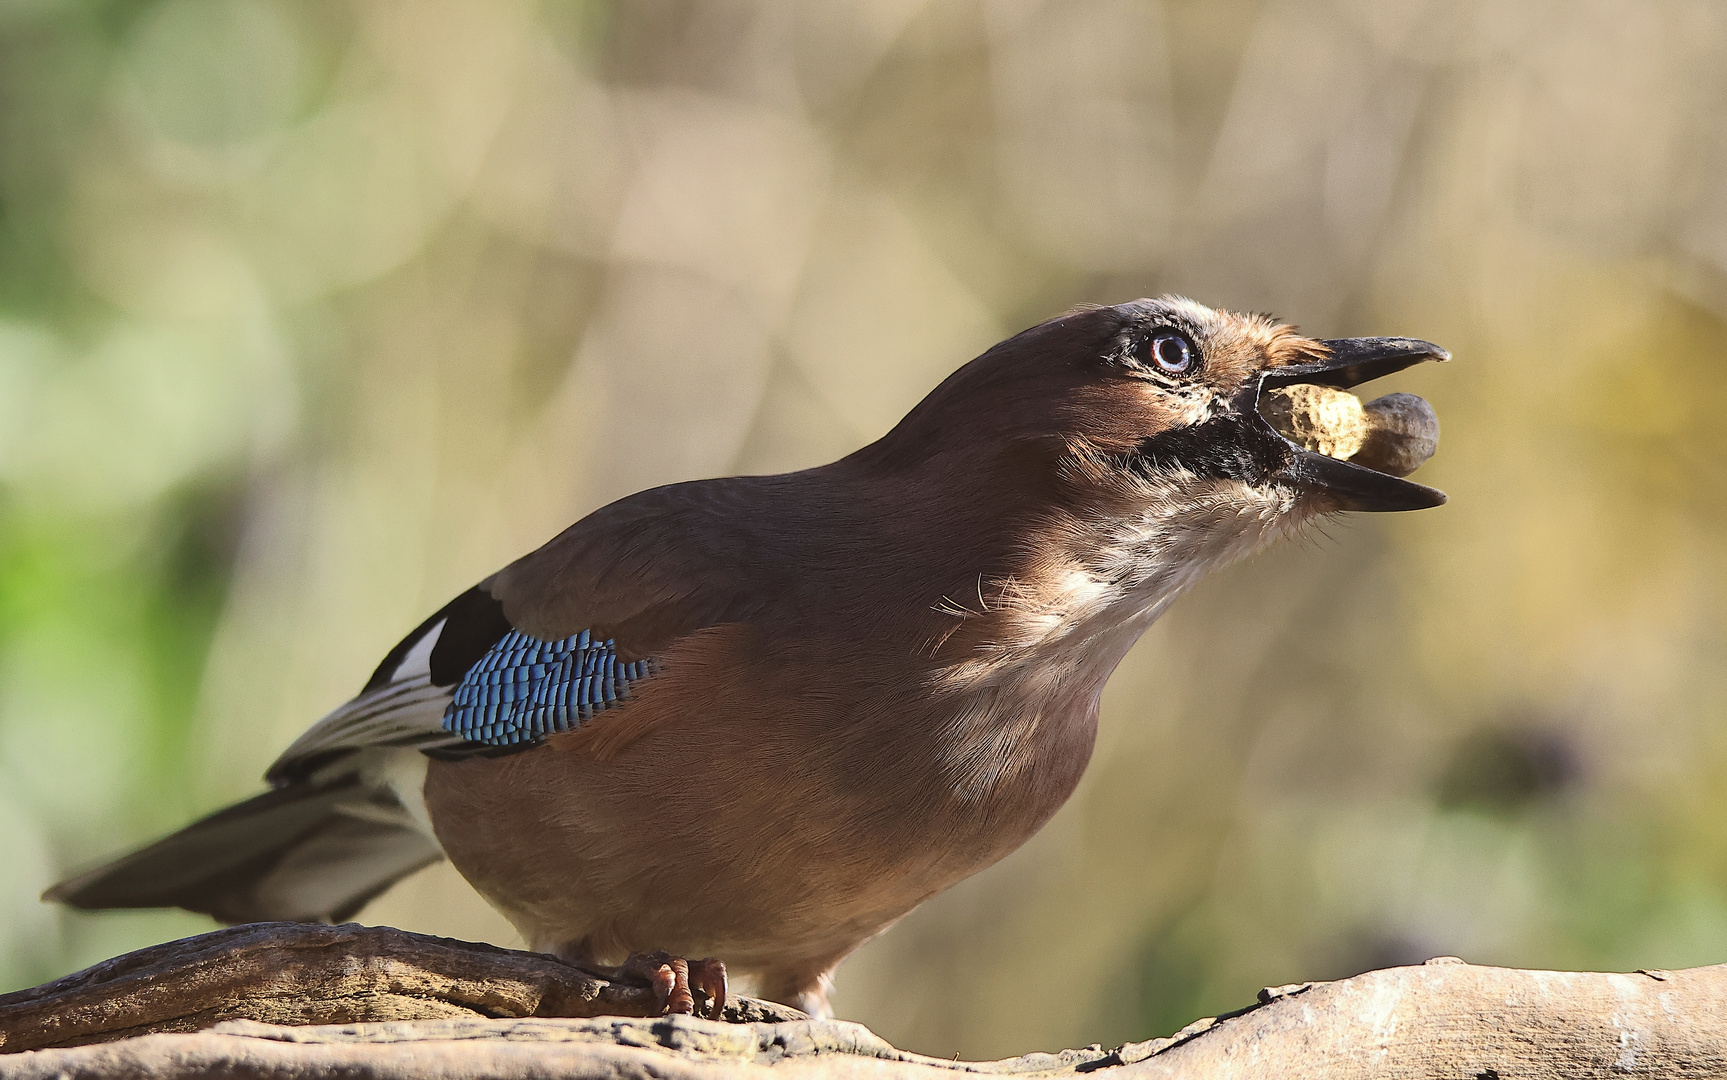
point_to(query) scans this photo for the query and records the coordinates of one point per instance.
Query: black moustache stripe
(1222, 448)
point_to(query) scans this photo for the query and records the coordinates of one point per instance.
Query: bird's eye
(1173, 354)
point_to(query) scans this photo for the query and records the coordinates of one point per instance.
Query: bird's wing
(651, 568)
(544, 644)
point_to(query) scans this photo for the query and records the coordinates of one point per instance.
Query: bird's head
(1129, 446)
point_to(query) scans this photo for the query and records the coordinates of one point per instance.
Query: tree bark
(289, 1000)
(295, 974)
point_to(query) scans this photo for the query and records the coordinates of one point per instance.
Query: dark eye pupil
(1171, 353)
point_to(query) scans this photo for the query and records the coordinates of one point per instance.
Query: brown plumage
(867, 680)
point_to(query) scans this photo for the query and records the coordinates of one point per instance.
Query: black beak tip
(1351, 361)
(1408, 496)
(1357, 488)
(1364, 348)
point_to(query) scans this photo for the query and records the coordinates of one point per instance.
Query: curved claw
(709, 976)
(675, 980)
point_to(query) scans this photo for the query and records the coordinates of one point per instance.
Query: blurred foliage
(313, 314)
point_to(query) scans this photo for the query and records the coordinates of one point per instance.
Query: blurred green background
(311, 314)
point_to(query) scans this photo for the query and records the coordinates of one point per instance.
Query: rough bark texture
(385, 1004)
(296, 974)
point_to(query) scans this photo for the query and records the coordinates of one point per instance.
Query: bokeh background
(311, 314)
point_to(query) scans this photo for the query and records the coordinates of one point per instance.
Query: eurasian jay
(761, 718)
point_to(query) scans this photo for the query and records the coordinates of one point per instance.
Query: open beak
(1353, 361)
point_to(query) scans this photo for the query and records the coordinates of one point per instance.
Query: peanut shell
(1393, 434)
(1403, 433)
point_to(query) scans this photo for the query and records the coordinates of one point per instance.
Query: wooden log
(306, 973)
(412, 1006)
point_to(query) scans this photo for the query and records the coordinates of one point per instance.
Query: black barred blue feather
(524, 689)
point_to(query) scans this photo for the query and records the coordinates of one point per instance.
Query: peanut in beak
(1394, 434)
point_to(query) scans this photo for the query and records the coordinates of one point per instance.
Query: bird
(746, 724)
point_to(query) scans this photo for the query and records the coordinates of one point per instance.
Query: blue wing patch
(524, 689)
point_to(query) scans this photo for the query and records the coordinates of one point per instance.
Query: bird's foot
(676, 981)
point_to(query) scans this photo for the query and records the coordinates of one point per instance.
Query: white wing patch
(418, 662)
(404, 773)
(406, 712)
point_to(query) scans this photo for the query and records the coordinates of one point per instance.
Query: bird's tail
(300, 852)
